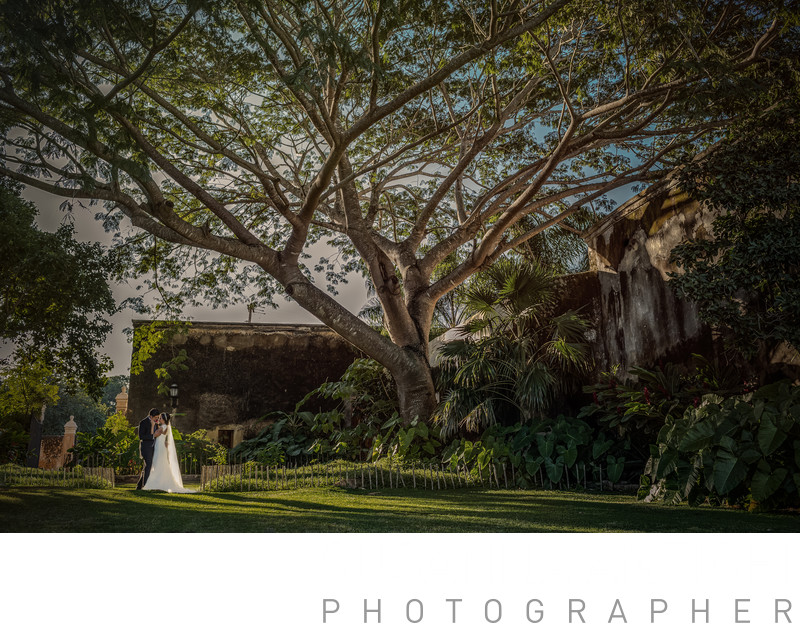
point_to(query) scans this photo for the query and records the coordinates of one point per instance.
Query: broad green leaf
(615, 469)
(750, 455)
(554, 469)
(729, 471)
(601, 447)
(698, 437)
(532, 467)
(728, 444)
(546, 445)
(667, 462)
(766, 483)
(571, 455)
(769, 436)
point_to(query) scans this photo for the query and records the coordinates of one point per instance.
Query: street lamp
(173, 393)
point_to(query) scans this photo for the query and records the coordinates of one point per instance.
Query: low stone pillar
(121, 402)
(70, 431)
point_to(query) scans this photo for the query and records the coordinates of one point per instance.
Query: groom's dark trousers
(146, 448)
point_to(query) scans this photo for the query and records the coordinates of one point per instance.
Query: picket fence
(251, 476)
(68, 477)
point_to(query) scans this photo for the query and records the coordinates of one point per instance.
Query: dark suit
(146, 447)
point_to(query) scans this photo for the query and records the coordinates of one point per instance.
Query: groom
(147, 444)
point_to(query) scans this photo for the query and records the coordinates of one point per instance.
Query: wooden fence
(250, 476)
(69, 477)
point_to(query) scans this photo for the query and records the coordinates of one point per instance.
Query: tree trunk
(35, 439)
(415, 388)
(407, 364)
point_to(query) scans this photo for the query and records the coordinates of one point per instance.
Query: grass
(342, 510)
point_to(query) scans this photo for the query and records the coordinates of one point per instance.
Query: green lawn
(338, 510)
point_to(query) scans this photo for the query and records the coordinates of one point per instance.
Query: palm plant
(515, 357)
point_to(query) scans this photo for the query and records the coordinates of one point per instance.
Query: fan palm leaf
(516, 356)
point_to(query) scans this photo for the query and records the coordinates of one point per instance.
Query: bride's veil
(172, 456)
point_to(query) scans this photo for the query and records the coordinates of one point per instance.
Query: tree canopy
(54, 295)
(744, 277)
(421, 140)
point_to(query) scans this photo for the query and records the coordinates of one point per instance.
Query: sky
(118, 346)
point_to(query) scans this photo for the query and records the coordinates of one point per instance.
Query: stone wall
(240, 372)
(54, 450)
(636, 318)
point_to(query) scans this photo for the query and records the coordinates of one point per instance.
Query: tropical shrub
(13, 445)
(195, 450)
(562, 450)
(514, 357)
(738, 450)
(635, 409)
(287, 436)
(414, 442)
(365, 391)
(362, 424)
(116, 445)
(110, 446)
(365, 418)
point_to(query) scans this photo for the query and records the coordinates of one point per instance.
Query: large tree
(745, 276)
(424, 140)
(54, 298)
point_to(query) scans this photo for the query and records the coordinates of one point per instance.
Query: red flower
(696, 401)
(594, 398)
(647, 395)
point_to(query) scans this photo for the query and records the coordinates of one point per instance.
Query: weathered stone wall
(636, 318)
(240, 372)
(54, 450)
(50, 452)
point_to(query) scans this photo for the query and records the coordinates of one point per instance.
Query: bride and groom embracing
(157, 449)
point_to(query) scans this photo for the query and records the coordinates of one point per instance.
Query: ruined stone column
(121, 402)
(70, 429)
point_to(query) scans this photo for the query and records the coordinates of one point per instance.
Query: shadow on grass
(339, 510)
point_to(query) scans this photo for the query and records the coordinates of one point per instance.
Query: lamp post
(173, 393)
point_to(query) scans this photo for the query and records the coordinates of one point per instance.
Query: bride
(165, 474)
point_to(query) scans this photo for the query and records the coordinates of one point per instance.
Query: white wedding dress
(165, 474)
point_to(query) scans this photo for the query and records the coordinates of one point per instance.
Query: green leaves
(563, 450)
(743, 277)
(769, 436)
(766, 482)
(729, 471)
(698, 437)
(54, 295)
(515, 357)
(735, 447)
